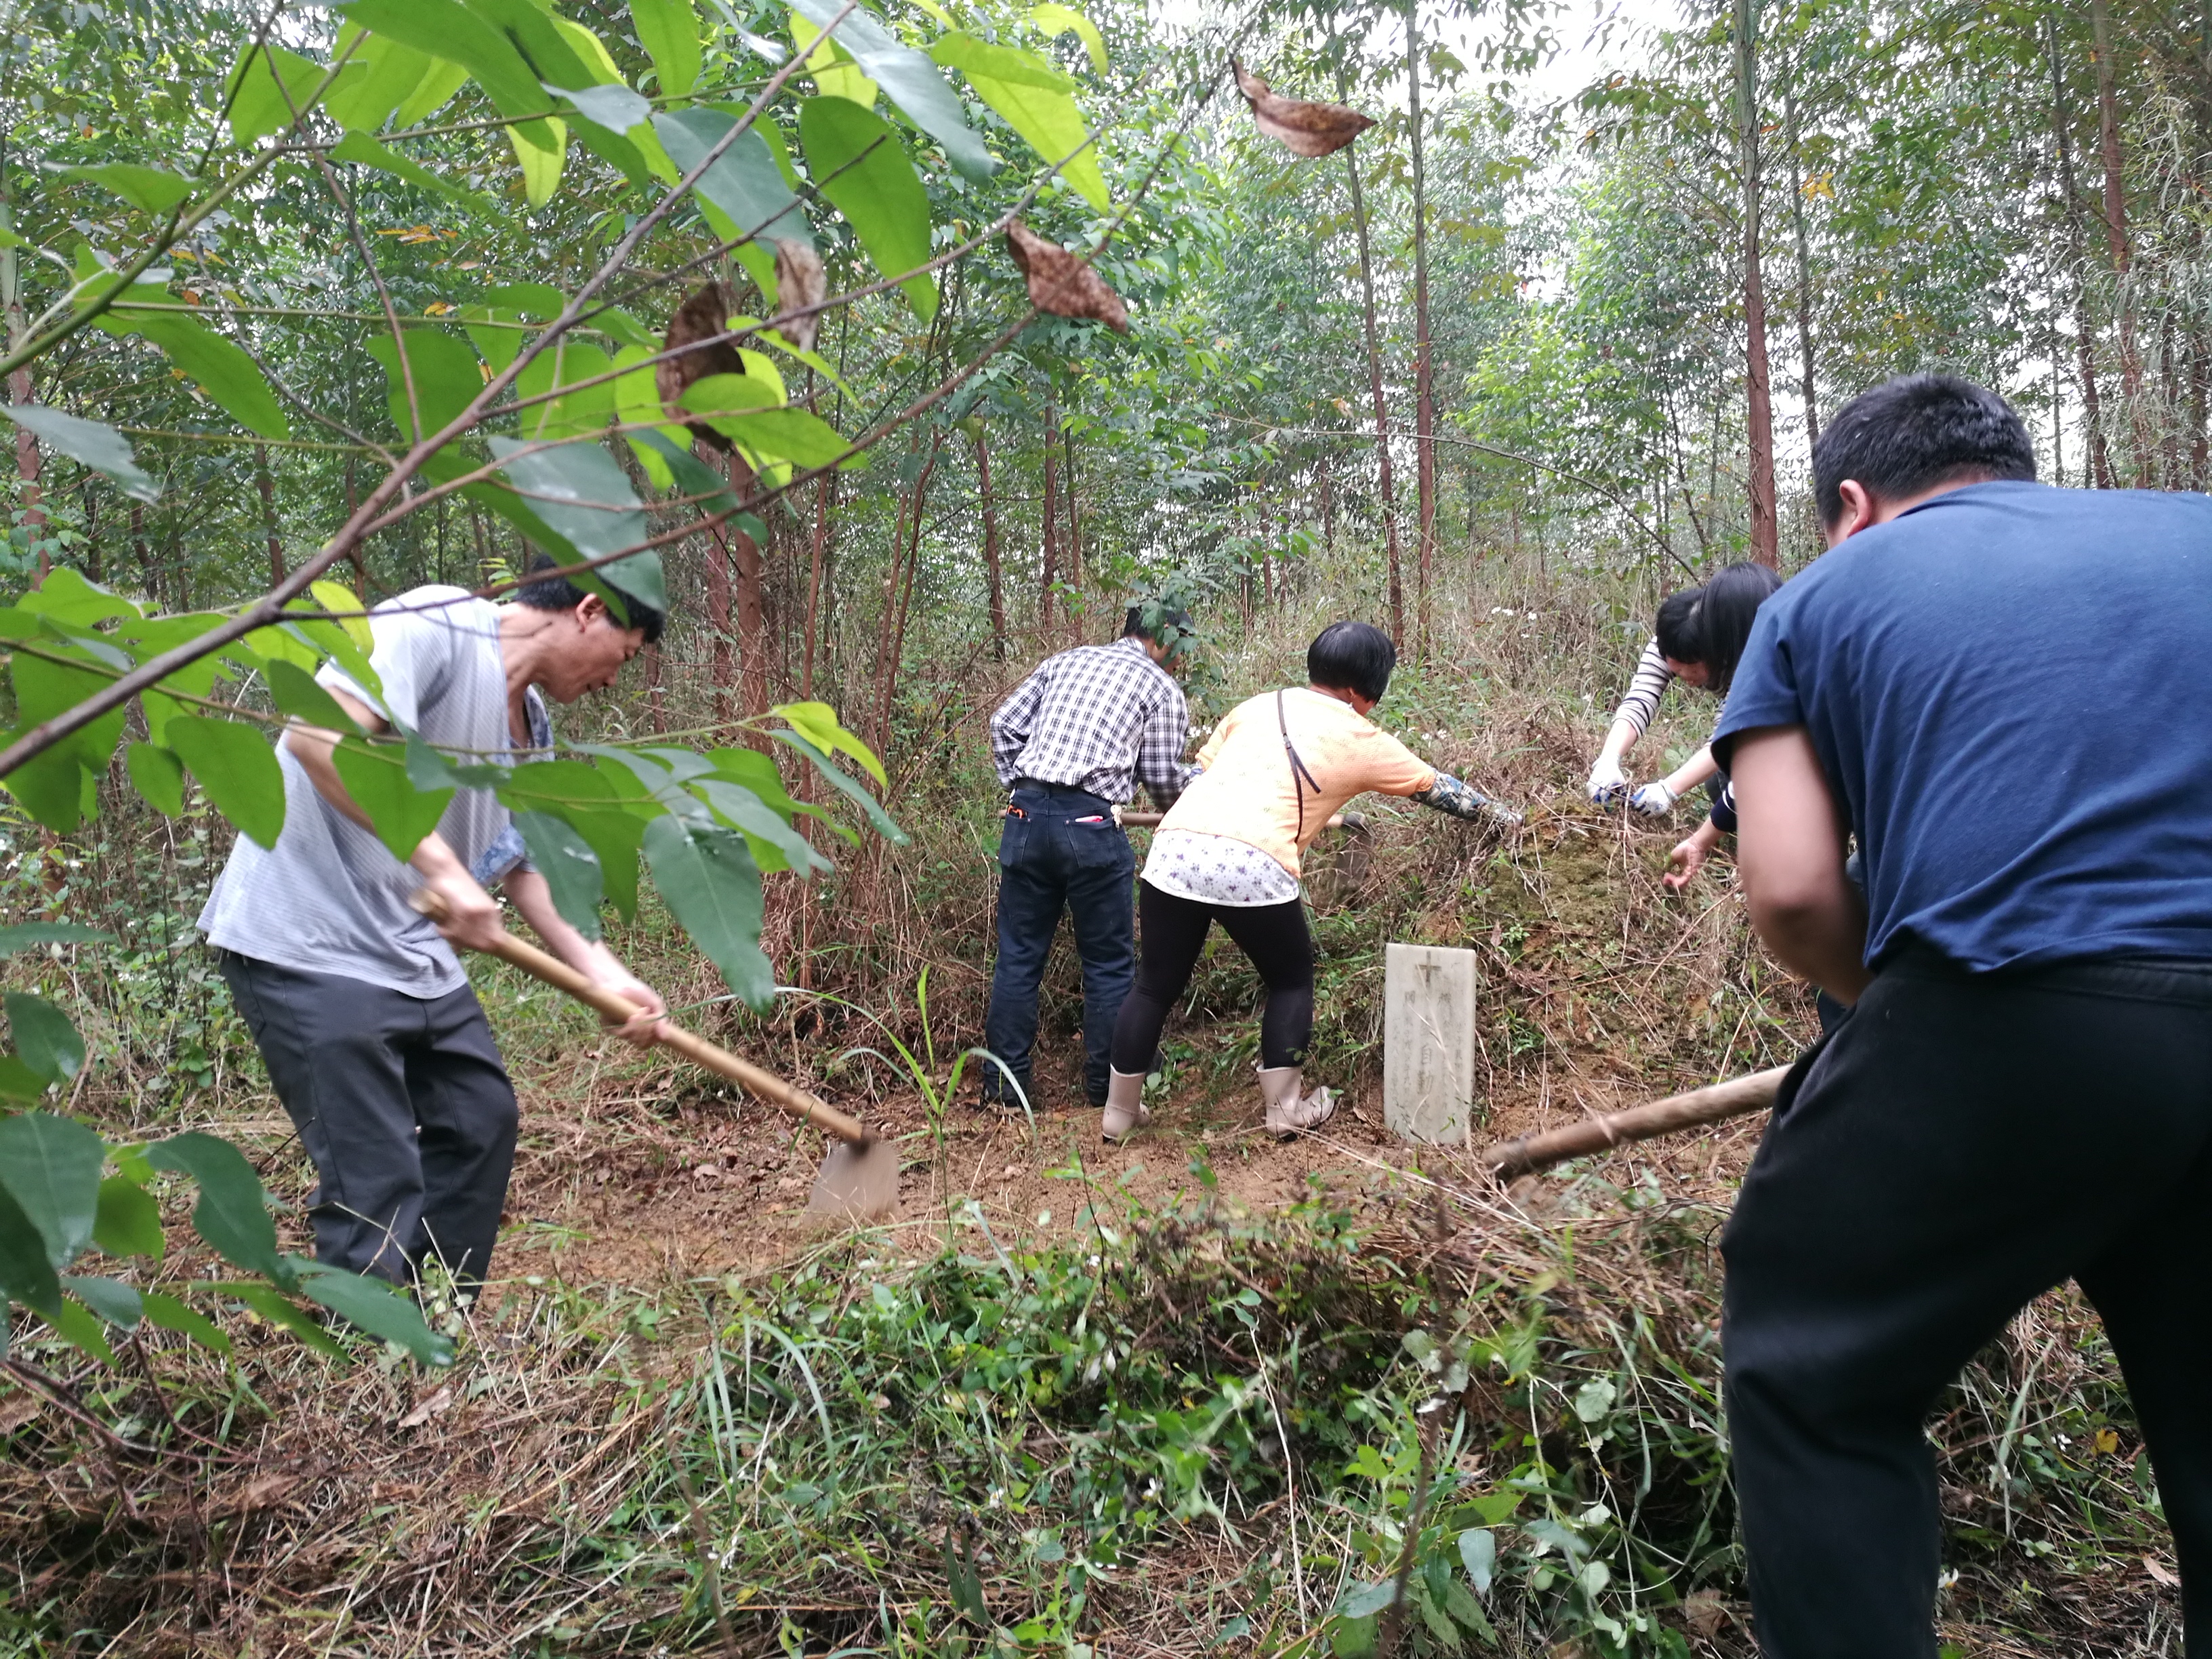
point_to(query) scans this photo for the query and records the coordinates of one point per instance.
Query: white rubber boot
(1125, 1112)
(1288, 1114)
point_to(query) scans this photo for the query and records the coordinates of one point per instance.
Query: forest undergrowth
(1174, 1422)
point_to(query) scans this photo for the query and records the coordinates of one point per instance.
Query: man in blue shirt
(1997, 687)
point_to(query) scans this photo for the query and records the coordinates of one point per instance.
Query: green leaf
(836, 75)
(859, 165)
(1478, 1553)
(436, 92)
(444, 371)
(172, 1314)
(587, 801)
(1055, 19)
(580, 491)
(232, 1214)
(150, 189)
(570, 866)
(1369, 1599)
(19, 1082)
(273, 1305)
(713, 888)
(749, 812)
(216, 365)
(237, 769)
(25, 1275)
(912, 81)
(260, 106)
(375, 776)
(743, 184)
(111, 1298)
(30, 935)
(519, 302)
(617, 108)
(1352, 1638)
(89, 443)
(364, 151)
(1037, 101)
(541, 165)
(845, 783)
(50, 1165)
(669, 32)
(380, 76)
(48, 1044)
(375, 1307)
(294, 691)
(818, 724)
(158, 776)
(127, 1222)
(441, 28)
(785, 435)
(67, 597)
(80, 1329)
(1468, 1611)
(575, 413)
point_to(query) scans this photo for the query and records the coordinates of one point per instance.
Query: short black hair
(1725, 614)
(1915, 432)
(559, 594)
(1352, 656)
(1677, 627)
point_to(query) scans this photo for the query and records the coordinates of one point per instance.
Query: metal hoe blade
(859, 1183)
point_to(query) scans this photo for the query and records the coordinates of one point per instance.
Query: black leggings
(1173, 932)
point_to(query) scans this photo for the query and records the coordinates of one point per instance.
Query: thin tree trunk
(1425, 408)
(360, 563)
(19, 392)
(991, 571)
(1804, 272)
(656, 701)
(744, 565)
(2100, 462)
(720, 675)
(92, 561)
(1050, 571)
(268, 488)
(889, 670)
(144, 554)
(816, 559)
(1074, 535)
(1327, 508)
(1375, 383)
(1765, 529)
(2200, 396)
(2169, 377)
(2116, 236)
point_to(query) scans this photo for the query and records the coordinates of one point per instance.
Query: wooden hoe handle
(1712, 1104)
(766, 1085)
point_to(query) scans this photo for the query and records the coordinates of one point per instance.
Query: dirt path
(641, 1190)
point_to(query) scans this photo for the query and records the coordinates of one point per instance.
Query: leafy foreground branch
(1181, 1432)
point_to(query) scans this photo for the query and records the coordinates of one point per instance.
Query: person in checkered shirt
(1071, 744)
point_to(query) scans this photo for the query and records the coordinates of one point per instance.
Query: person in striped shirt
(1679, 650)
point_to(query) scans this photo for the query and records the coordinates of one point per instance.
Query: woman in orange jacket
(1228, 851)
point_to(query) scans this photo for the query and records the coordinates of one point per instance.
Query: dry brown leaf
(435, 1406)
(1304, 129)
(703, 316)
(1703, 1611)
(800, 286)
(2160, 1571)
(1064, 283)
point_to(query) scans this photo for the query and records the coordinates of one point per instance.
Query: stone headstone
(1428, 1043)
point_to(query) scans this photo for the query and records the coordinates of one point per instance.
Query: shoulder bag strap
(1301, 779)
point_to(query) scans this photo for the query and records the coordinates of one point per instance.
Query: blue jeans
(1060, 849)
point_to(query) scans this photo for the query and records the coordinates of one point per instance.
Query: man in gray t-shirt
(375, 1043)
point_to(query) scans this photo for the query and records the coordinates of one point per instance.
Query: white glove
(1607, 783)
(1654, 800)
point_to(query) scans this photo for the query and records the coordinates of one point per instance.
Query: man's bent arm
(472, 917)
(534, 898)
(1790, 854)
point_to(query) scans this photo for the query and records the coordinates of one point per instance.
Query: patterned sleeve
(1653, 677)
(1010, 725)
(1447, 795)
(1160, 744)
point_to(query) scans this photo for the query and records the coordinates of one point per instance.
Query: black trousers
(405, 1106)
(1059, 849)
(1961, 1145)
(1174, 931)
